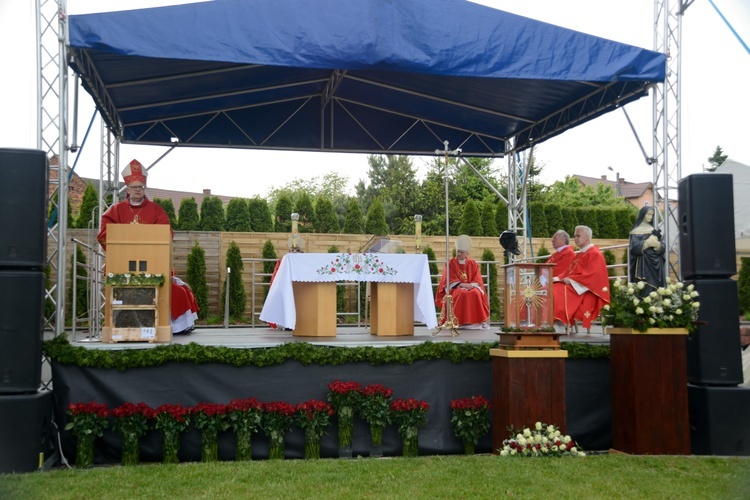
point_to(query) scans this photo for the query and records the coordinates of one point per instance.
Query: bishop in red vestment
(564, 253)
(470, 305)
(138, 209)
(583, 289)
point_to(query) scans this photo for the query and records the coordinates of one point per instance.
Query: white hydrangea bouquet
(541, 441)
(674, 305)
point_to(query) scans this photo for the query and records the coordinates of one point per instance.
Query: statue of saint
(646, 252)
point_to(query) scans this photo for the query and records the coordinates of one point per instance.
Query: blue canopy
(371, 76)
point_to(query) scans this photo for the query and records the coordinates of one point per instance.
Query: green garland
(61, 351)
(134, 279)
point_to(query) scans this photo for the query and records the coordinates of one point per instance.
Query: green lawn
(599, 476)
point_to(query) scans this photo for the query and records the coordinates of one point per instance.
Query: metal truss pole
(666, 119)
(517, 177)
(52, 111)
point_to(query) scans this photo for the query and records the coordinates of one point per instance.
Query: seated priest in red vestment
(470, 305)
(138, 209)
(583, 288)
(564, 253)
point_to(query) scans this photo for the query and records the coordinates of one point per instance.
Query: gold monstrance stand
(447, 320)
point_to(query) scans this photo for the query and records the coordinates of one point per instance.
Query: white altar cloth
(321, 267)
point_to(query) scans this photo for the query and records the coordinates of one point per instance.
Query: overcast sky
(715, 103)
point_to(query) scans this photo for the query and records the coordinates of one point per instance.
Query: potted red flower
(469, 420)
(344, 396)
(374, 408)
(313, 417)
(131, 421)
(87, 421)
(276, 421)
(244, 416)
(409, 415)
(172, 420)
(210, 419)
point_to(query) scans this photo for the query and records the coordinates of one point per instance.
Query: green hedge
(61, 351)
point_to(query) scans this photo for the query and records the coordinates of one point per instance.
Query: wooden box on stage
(528, 296)
(392, 309)
(139, 313)
(315, 305)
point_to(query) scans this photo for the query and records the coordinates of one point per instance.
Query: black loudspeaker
(706, 220)
(23, 208)
(718, 420)
(26, 435)
(21, 323)
(713, 349)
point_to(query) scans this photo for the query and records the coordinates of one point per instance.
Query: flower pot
(171, 447)
(469, 447)
(312, 445)
(376, 435)
(244, 449)
(131, 453)
(85, 450)
(209, 445)
(276, 449)
(346, 426)
(411, 442)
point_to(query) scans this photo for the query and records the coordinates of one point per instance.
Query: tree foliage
(168, 206)
(496, 312)
(489, 228)
(571, 193)
(269, 252)
(716, 159)
(554, 218)
(376, 223)
(393, 179)
(538, 219)
(88, 216)
(238, 217)
(259, 214)
(283, 222)
(471, 221)
(188, 219)
(743, 286)
(212, 214)
(304, 207)
(353, 223)
(236, 287)
(196, 278)
(81, 286)
(325, 218)
(606, 223)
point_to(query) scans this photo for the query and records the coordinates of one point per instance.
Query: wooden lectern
(392, 310)
(139, 249)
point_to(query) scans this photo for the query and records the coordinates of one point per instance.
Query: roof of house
(175, 196)
(627, 189)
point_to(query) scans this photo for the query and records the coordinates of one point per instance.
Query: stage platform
(346, 336)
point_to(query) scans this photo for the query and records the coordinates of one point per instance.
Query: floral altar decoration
(374, 409)
(540, 441)
(131, 421)
(210, 419)
(172, 420)
(276, 420)
(344, 396)
(87, 422)
(134, 279)
(469, 420)
(409, 415)
(244, 417)
(313, 417)
(674, 305)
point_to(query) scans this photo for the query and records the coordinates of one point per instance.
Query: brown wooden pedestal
(392, 309)
(649, 393)
(315, 305)
(528, 386)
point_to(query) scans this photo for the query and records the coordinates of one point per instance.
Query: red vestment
(148, 212)
(590, 270)
(563, 259)
(469, 306)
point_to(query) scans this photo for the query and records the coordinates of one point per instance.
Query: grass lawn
(481, 476)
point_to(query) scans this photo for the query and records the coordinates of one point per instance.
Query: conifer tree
(554, 218)
(607, 223)
(570, 218)
(434, 269)
(168, 207)
(376, 223)
(325, 218)
(743, 286)
(501, 216)
(340, 290)
(610, 259)
(238, 216)
(88, 216)
(196, 278)
(81, 284)
(269, 252)
(212, 214)
(542, 252)
(494, 298)
(353, 223)
(304, 207)
(538, 220)
(283, 222)
(471, 221)
(188, 219)
(260, 215)
(236, 287)
(489, 227)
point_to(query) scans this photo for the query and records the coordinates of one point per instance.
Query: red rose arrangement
(131, 421)
(276, 421)
(87, 422)
(344, 396)
(374, 408)
(210, 419)
(313, 417)
(244, 416)
(469, 420)
(172, 420)
(409, 415)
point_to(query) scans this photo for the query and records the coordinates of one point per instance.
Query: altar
(305, 286)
